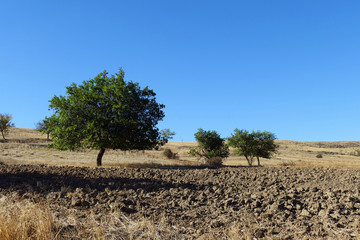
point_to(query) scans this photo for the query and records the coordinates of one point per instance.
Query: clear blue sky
(289, 67)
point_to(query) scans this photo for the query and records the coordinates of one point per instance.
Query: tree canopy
(255, 144)
(106, 113)
(210, 145)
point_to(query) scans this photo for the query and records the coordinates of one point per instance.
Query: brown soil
(261, 202)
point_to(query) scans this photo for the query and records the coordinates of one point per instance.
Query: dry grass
(27, 146)
(23, 219)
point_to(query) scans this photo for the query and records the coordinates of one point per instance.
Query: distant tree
(5, 124)
(167, 134)
(210, 146)
(38, 125)
(107, 113)
(253, 145)
(47, 126)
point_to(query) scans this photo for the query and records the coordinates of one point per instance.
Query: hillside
(27, 146)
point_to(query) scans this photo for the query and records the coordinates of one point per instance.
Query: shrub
(214, 161)
(319, 155)
(356, 152)
(170, 154)
(210, 145)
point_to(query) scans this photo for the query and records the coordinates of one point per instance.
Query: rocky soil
(264, 203)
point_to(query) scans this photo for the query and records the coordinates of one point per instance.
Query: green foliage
(5, 124)
(244, 143)
(47, 125)
(170, 154)
(210, 145)
(106, 113)
(265, 145)
(253, 145)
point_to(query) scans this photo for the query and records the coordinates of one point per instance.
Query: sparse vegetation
(210, 145)
(107, 113)
(168, 153)
(29, 146)
(5, 124)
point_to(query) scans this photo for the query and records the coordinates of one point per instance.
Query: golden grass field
(28, 146)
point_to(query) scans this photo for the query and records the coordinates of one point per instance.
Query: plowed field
(254, 202)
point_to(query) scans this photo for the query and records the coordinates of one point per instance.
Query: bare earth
(296, 195)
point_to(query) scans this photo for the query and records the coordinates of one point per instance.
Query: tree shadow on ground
(47, 179)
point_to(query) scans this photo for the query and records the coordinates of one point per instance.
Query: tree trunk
(2, 133)
(99, 157)
(258, 161)
(249, 160)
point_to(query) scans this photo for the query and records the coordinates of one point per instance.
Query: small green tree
(106, 113)
(210, 145)
(5, 124)
(39, 124)
(46, 126)
(253, 145)
(244, 144)
(265, 145)
(167, 134)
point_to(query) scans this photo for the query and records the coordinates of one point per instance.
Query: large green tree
(107, 113)
(253, 145)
